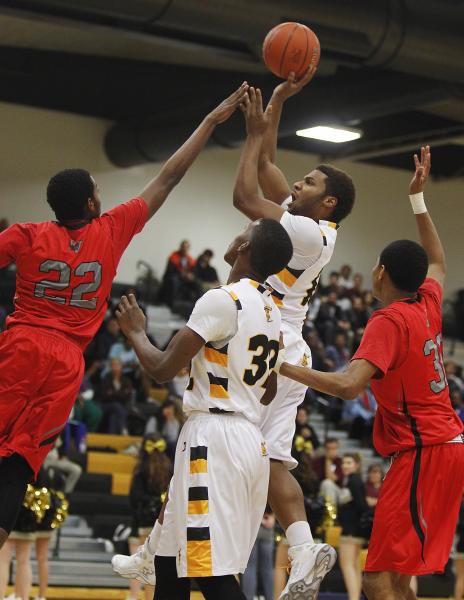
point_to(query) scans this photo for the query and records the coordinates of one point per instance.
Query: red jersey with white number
(64, 274)
(404, 342)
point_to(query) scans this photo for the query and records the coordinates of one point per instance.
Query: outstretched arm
(428, 234)
(247, 198)
(347, 385)
(161, 365)
(156, 192)
(271, 179)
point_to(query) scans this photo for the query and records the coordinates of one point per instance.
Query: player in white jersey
(310, 213)
(218, 492)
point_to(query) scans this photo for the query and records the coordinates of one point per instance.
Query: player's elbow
(239, 198)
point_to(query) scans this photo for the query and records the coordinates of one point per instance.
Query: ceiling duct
(354, 97)
(421, 38)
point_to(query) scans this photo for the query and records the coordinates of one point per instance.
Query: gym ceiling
(391, 68)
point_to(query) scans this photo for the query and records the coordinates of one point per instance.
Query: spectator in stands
(173, 419)
(57, 460)
(115, 394)
(179, 282)
(375, 476)
(328, 469)
(357, 316)
(304, 428)
(261, 563)
(357, 290)
(204, 272)
(332, 285)
(338, 355)
(124, 352)
(358, 416)
(149, 485)
(108, 336)
(454, 377)
(331, 319)
(345, 281)
(352, 505)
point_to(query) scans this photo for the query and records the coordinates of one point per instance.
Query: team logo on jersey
(264, 451)
(75, 245)
(305, 360)
(268, 310)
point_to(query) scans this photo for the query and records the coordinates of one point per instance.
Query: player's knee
(370, 585)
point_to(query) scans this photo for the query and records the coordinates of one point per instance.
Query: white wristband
(281, 358)
(418, 203)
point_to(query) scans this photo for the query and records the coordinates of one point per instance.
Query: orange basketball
(291, 47)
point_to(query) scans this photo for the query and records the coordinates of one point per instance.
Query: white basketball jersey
(294, 287)
(231, 378)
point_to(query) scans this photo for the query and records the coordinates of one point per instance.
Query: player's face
(233, 250)
(95, 202)
(308, 194)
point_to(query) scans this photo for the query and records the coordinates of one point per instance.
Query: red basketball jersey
(64, 274)
(404, 342)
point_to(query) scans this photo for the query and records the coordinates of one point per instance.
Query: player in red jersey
(401, 356)
(65, 269)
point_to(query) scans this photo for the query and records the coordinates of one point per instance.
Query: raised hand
(418, 182)
(257, 120)
(130, 316)
(227, 107)
(293, 85)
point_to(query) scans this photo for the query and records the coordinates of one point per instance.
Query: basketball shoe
(310, 564)
(139, 566)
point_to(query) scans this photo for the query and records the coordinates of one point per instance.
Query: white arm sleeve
(307, 239)
(214, 317)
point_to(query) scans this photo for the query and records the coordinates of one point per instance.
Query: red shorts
(417, 512)
(40, 377)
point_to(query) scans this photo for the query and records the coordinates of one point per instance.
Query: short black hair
(406, 263)
(68, 192)
(340, 185)
(331, 440)
(270, 248)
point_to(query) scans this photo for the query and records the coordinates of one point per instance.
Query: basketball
(291, 47)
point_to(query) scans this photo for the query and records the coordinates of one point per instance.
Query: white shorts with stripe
(217, 495)
(278, 418)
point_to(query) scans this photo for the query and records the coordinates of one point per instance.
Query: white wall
(37, 143)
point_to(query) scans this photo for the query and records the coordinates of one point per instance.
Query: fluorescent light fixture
(330, 134)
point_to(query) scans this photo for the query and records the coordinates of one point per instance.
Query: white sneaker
(139, 566)
(310, 564)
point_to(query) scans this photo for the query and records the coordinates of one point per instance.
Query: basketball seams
(284, 52)
(303, 62)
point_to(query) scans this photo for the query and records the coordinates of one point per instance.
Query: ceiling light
(330, 134)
